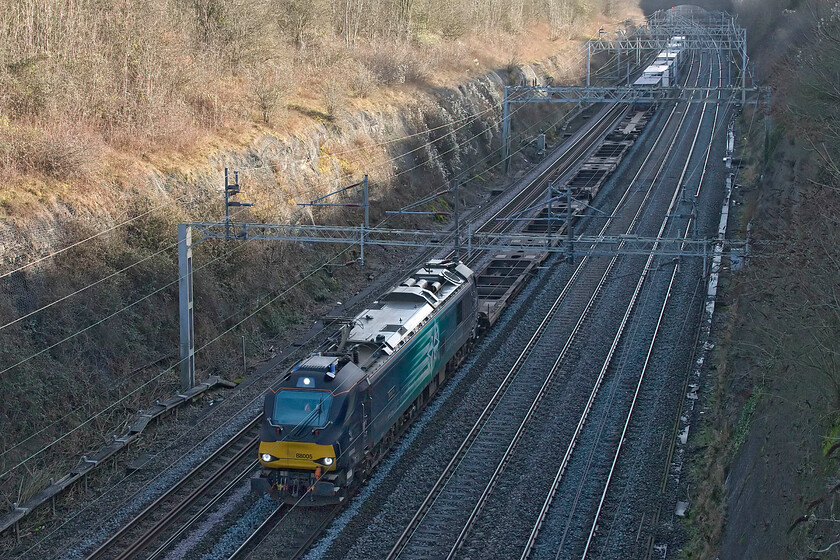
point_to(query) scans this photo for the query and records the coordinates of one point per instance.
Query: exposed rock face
(107, 340)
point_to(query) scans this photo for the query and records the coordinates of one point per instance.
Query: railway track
(618, 412)
(523, 199)
(599, 526)
(676, 430)
(307, 524)
(190, 497)
(580, 146)
(167, 518)
(467, 482)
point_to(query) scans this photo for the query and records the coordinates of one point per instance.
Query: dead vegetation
(148, 74)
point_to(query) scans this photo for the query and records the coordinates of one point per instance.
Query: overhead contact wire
(158, 290)
(250, 315)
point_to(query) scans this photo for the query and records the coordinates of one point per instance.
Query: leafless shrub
(334, 99)
(297, 20)
(362, 80)
(234, 31)
(267, 86)
(455, 27)
(57, 153)
(22, 88)
(397, 64)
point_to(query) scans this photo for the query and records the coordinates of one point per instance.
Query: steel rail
(204, 509)
(154, 532)
(583, 144)
(570, 449)
(587, 139)
(521, 430)
(141, 517)
(555, 368)
(259, 535)
(491, 484)
(676, 426)
(461, 452)
(476, 428)
(252, 540)
(646, 363)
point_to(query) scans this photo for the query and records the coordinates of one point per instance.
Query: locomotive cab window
(302, 408)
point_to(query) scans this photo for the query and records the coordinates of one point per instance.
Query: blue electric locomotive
(334, 415)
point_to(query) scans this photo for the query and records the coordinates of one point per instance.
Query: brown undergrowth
(131, 112)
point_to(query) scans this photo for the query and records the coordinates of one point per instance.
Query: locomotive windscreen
(301, 408)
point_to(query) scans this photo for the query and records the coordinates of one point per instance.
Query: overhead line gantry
(702, 31)
(712, 32)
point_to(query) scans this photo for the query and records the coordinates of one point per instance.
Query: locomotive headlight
(267, 458)
(326, 461)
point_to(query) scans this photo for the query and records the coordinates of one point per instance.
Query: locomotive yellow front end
(306, 446)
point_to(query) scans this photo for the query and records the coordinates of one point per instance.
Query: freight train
(665, 70)
(333, 416)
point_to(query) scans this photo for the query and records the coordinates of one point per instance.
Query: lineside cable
(196, 445)
(384, 164)
(168, 203)
(82, 241)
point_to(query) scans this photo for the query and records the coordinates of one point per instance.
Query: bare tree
(297, 19)
(267, 88)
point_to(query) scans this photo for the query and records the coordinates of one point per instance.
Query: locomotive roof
(406, 307)
(378, 331)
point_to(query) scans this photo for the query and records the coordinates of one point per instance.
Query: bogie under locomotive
(334, 415)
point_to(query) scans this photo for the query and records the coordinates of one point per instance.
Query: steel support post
(457, 224)
(185, 306)
(550, 215)
(569, 233)
(588, 61)
(227, 206)
(618, 58)
(729, 68)
(366, 225)
(367, 204)
(744, 68)
(506, 131)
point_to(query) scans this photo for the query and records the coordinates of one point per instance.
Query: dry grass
(147, 77)
(57, 152)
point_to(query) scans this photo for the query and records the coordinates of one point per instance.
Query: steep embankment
(90, 334)
(764, 468)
